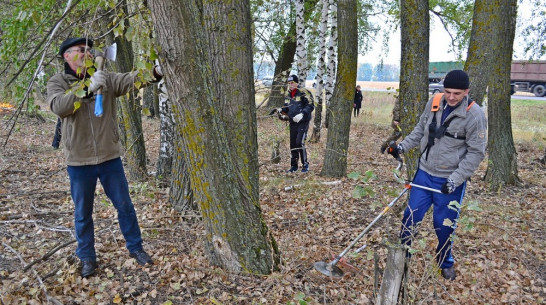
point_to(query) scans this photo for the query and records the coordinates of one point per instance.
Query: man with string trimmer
(451, 134)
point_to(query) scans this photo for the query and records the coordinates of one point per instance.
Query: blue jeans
(420, 201)
(83, 181)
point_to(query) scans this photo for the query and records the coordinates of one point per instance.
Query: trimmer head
(328, 269)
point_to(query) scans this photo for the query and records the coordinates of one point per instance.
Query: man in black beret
(92, 147)
(451, 134)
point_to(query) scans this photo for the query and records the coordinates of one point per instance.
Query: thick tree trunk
(337, 143)
(321, 65)
(479, 62)
(413, 96)
(502, 166)
(220, 155)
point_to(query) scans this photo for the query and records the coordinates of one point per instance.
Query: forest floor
(499, 249)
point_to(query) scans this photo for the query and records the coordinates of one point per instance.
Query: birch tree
(301, 42)
(321, 64)
(331, 69)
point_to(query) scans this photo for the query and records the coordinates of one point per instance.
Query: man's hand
(98, 80)
(297, 118)
(448, 187)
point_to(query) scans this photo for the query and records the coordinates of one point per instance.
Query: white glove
(98, 80)
(297, 118)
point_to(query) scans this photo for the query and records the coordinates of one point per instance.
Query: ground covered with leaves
(499, 249)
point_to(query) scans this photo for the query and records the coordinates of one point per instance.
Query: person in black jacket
(298, 108)
(357, 104)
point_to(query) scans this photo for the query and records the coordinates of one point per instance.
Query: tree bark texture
(414, 28)
(480, 50)
(321, 65)
(301, 42)
(392, 277)
(502, 164)
(166, 135)
(206, 47)
(337, 143)
(331, 68)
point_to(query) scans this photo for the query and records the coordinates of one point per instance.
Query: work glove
(297, 118)
(98, 80)
(448, 187)
(393, 150)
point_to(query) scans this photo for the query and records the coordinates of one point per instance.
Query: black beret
(74, 41)
(456, 79)
(293, 78)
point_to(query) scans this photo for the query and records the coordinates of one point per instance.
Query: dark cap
(293, 78)
(456, 79)
(74, 41)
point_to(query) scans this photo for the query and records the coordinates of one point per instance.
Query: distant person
(91, 147)
(452, 141)
(357, 104)
(58, 134)
(395, 124)
(298, 109)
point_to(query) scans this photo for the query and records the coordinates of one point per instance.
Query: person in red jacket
(91, 147)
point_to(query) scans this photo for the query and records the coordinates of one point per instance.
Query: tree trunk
(337, 143)
(502, 164)
(148, 98)
(321, 65)
(392, 277)
(131, 117)
(479, 58)
(331, 69)
(166, 136)
(301, 42)
(414, 28)
(218, 132)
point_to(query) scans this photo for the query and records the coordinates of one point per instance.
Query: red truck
(528, 76)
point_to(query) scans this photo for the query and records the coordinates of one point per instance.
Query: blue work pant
(83, 181)
(420, 201)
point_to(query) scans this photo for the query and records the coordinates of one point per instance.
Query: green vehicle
(438, 70)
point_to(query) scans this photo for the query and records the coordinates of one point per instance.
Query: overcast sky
(439, 46)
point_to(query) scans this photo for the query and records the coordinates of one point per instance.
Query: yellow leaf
(77, 105)
(117, 299)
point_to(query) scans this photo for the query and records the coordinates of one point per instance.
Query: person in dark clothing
(298, 109)
(358, 101)
(58, 134)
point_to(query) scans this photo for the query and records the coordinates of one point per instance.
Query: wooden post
(392, 277)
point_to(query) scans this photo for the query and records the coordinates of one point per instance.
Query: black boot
(88, 268)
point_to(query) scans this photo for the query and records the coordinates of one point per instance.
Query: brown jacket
(87, 139)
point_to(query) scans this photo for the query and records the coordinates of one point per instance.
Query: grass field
(528, 116)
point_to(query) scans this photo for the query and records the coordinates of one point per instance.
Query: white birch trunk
(166, 134)
(301, 42)
(321, 65)
(330, 79)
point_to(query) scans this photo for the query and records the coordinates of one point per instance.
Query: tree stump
(392, 277)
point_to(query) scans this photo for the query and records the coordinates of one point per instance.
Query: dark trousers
(298, 133)
(420, 201)
(356, 111)
(57, 136)
(83, 180)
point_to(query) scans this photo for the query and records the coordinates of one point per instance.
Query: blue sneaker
(292, 169)
(305, 168)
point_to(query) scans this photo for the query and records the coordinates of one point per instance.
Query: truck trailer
(528, 76)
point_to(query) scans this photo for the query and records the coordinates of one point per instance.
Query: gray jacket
(450, 157)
